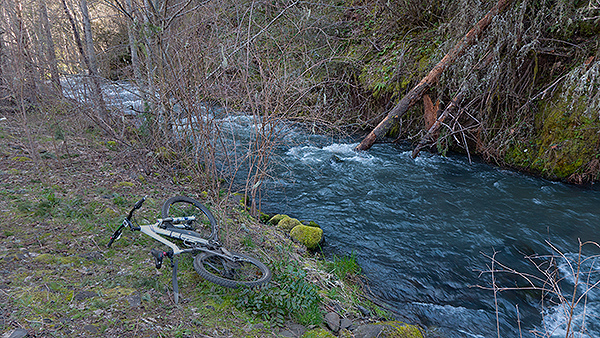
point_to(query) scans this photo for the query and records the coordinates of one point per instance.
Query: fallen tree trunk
(417, 92)
(436, 125)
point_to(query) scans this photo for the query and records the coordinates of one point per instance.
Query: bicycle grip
(139, 203)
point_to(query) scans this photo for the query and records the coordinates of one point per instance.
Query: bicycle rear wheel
(182, 206)
(232, 272)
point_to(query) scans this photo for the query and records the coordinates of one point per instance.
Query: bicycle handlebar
(127, 222)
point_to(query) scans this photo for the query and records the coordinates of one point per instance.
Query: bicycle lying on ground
(186, 219)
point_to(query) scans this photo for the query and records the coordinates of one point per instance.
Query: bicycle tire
(254, 273)
(187, 206)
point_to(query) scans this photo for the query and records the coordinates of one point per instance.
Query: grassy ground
(64, 188)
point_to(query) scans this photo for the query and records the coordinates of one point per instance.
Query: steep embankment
(530, 83)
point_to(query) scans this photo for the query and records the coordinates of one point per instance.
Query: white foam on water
(555, 319)
(587, 310)
(343, 152)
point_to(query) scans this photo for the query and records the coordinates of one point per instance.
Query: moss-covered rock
(275, 219)
(318, 333)
(307, 235)
(400, 330)
(287, 223)
(393, 329)
(560, 147)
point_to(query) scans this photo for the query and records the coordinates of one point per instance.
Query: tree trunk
(135, 60)
(436, 125)
(417, 92)
(26, 86)
(96, 91)
(50, 51)
(92, 65)
(3, 82)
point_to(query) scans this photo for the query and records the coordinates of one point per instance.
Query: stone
(84, 295)
(345, 333)
(135, 299)
(309, 236)
(364, 311)
(275, 219)
(91, 328)
(318, 333)
(287, 333)
(297, 329)
(332, 320)
(345, 323)
(393, 329)
(16, 333)
(368, 331)
(287, 223)
(258, 326)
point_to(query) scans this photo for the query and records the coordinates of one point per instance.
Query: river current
(423, 230)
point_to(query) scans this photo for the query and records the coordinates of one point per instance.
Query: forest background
(526, 95)
(526, 92)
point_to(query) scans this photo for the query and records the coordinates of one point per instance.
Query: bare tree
(50, 49)
(133, 45)
(3, 83)
(101, 111)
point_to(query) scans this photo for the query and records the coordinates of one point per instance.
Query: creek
(423, 229)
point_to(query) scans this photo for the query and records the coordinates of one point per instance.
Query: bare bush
(565, 282)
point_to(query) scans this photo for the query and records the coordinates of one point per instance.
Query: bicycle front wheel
(182, 206)
(233, 271)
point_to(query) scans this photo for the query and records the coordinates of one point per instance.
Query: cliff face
(531, 82)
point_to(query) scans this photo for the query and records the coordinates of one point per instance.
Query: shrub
(289, 295)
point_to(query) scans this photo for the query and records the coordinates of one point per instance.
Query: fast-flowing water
(424, 229)
(421, 229)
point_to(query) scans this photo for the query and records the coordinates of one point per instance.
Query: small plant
(288, 295)
(344, 266)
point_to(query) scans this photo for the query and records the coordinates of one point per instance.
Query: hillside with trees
(524, 94)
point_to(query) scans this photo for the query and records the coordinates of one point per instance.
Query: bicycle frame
(176, 228)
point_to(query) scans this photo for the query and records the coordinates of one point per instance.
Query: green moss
(275, 219)
(318, 333)
(562, 145)
(313, 224)
(57, 259)
(309, 236)
(396, 329)
(123, 185)
(287, 223)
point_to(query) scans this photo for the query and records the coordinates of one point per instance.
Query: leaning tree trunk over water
(415, 94)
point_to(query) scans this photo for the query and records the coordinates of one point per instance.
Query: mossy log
(417, 92)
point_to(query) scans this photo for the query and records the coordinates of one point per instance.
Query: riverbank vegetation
(528, 89)
(527, 86)
(57, 277)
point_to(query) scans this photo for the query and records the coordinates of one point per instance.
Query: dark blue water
(421, 228)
